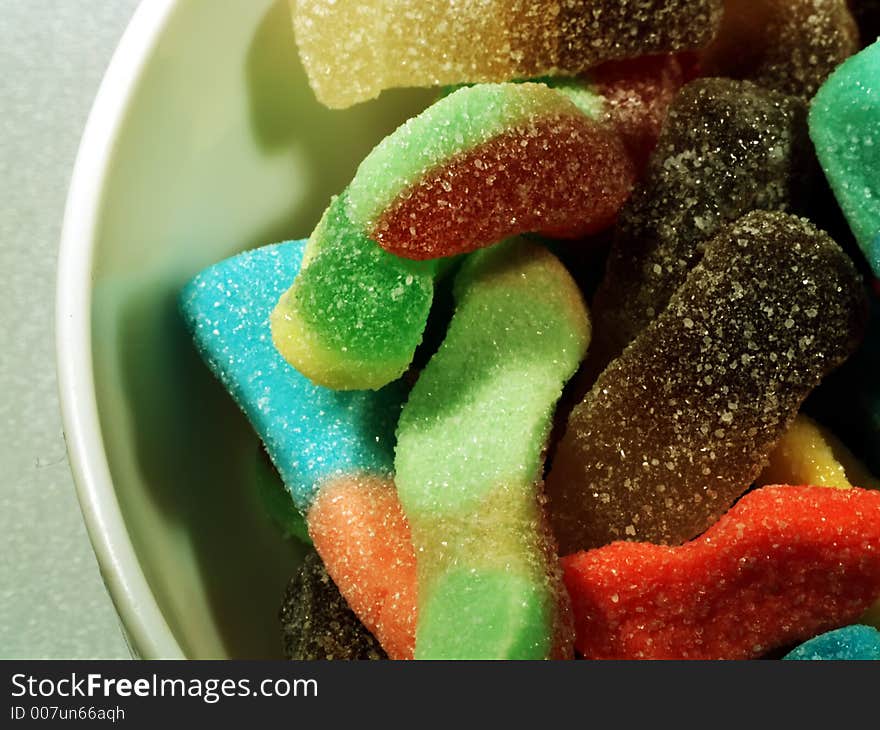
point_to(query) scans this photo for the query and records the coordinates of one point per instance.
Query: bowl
(204, 140)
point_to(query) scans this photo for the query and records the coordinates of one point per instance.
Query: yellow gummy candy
(809, 454)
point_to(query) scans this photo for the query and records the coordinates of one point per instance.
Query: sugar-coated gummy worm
(678, 426)
(312, 434)
(480, 164)
(491, 161)
(637, 95)
(353, 49)
(334, 450)
(851, 643)
(354, 314)
(728, 147)
(783, 565)
(789, 46)
(468, 460)
(362, 535)
(808, 453)
(845, 127)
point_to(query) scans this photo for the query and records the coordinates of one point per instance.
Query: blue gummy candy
(848, 643)
(311, 433)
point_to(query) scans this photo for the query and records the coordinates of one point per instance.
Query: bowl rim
(144, 626)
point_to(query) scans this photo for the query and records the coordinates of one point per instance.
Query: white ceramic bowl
(204, 140)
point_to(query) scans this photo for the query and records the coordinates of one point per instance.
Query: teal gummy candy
(848, 643)
(311, 433)
(845, 128)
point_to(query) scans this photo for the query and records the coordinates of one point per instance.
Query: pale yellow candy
(809, 454)
(353, 49)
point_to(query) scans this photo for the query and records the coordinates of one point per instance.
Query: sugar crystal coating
(355, 314)
(312, 434)
(481, 163)
(783, 565)
(678, 426)
(468, 459)
(637, 95)
(790, 46)
(460, 121)
(353, 49)
(851, 643)
(565, 176)
(845, 127)
(490, 161)
(808, 453)
(362, 536)
(728, 147)
(316, 622)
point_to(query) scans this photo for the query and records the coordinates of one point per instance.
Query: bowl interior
(223, 148)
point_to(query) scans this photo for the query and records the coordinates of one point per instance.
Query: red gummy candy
(638, 93)
(565, 176)
(785, 564)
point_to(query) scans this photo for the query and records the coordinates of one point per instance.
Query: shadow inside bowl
(223, 148)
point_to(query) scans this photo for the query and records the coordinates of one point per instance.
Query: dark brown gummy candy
(628, 28)
(316, 622)
(728, 147)
(790, 46)
(679, 426)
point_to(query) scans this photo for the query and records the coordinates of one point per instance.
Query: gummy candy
(845, 127)
(316, 622)
(491, 161)
(354, 49)
(784, 564)
(470, 441)
(637, 95)
(809, 454)
(679, 426)
(851, 643)
(481, 163)
(362, 535)
(311, 434)
(728, 147)
(355, 314)
(790, 46)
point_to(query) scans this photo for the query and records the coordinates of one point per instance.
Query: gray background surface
(52, 601)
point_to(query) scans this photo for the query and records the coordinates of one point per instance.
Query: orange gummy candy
(362, 535)
(785, 564)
